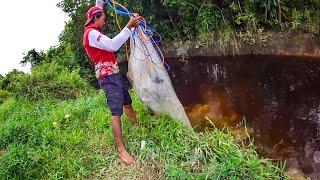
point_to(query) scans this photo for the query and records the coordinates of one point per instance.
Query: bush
(4, 95)
(49, 80)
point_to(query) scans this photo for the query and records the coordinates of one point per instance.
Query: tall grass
(54, 139)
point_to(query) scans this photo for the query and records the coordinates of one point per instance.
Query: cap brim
(87, 22)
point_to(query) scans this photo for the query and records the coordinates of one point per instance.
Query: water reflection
(215, 107)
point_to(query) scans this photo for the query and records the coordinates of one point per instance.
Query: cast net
(148, 75)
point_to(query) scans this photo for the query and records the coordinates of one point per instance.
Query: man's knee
(127, 106)
(115, 103)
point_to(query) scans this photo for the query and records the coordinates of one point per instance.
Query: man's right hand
(99, 3)
(134, 21)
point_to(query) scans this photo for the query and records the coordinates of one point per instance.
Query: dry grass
(140, 170)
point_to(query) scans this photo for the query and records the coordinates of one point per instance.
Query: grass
(52, 139)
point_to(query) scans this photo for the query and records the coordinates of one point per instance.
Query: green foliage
(47, 81)
(302, 20)
(274, 10)
(40, 141)
(4, 95)
(296, 18)
(51, 139)
(33, 57)
(10, 78)
(208, 19)
(317, 17)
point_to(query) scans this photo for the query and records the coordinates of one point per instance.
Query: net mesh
(149, 77)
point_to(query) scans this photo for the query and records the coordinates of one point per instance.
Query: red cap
(90, 14)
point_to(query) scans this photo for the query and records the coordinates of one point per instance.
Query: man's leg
(127, 105)
(129, 111)
(117, 131)
(113, 87)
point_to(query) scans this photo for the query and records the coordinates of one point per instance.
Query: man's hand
(134, 21)
(99, 3)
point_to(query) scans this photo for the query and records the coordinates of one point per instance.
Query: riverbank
(260, 43)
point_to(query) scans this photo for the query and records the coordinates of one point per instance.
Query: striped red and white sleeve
(101, 41)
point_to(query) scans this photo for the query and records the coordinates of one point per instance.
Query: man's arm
(99, 3)
(100, 41)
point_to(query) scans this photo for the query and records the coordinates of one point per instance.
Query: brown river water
(276, 97)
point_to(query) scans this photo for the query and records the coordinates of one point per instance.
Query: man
(100, 49)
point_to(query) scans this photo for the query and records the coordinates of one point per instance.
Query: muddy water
(278, 96)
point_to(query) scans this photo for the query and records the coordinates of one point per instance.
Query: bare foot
(126, 157)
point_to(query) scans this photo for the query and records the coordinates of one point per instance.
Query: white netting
(150, 79)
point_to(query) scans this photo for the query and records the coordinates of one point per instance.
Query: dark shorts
(116, 93)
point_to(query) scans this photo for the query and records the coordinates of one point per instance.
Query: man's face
(101, 21)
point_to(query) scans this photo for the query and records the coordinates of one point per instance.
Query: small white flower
(143, 144)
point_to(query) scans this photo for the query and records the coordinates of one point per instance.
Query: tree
(33, 57)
